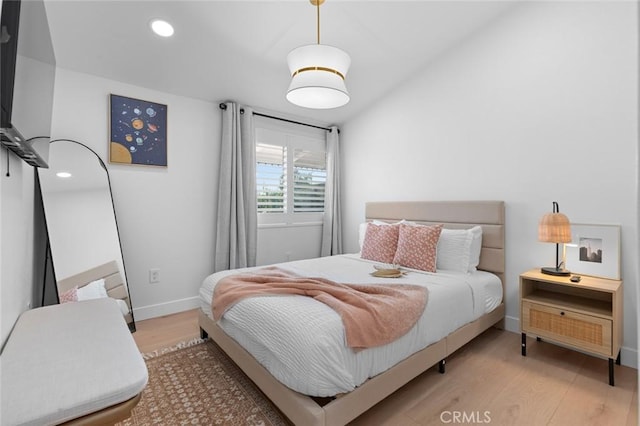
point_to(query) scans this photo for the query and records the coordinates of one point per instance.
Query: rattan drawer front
(582, 331)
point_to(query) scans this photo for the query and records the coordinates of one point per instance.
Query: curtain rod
(224, 106)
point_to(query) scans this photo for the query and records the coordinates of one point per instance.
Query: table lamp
(555, 228)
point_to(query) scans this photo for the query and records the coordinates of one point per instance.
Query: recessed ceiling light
(63, 174)
(162, 28)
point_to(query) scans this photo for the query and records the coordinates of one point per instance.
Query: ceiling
(236, 50)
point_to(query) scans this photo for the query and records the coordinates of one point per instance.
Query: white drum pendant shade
(317, 76)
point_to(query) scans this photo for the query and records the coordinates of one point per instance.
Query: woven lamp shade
(554, 228)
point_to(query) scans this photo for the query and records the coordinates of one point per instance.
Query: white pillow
(459, 249)
(476, 248)
(93, 290)
(362, 229)
(124, 308)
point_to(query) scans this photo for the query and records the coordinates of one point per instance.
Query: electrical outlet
(154, 275)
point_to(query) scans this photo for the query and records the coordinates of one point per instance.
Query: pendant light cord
(318, 18)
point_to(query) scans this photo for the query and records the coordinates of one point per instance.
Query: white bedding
(303, 346)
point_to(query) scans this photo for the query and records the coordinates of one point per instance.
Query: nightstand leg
(441, 366)
(618, 359)
(611, 372)
(538, 339)
(524, 344)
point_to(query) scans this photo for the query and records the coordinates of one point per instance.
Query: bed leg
(441, 366)
(203, 334)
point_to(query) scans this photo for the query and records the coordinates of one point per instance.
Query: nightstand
(586, 315)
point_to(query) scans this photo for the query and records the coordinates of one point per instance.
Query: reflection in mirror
(81, 226)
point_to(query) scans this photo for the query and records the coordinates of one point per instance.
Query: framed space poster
(138, 132)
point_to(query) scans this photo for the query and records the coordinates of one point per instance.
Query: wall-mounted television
(27, 78)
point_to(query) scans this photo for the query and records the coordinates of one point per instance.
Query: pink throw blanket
(373, 315)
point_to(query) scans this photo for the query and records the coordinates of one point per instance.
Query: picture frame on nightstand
(594, 250)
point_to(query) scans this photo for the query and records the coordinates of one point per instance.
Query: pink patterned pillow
(70, 295)
(380, 242)
(417, 247)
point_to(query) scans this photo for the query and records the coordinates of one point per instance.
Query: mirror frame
(49, 268)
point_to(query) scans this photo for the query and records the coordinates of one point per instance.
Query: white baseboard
(512, 324)
(168, 308)
(628, 356)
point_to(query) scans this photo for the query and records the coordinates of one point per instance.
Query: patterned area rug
(197, 384)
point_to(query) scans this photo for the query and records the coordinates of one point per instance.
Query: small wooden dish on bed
(387, 273)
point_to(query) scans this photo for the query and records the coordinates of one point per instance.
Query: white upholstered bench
(75, 362)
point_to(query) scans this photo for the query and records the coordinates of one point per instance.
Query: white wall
(540, 106)
(166, 216)
(16, 240)
(17, 192)
(276, 244)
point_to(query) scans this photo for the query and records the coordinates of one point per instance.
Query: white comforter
(301, 341)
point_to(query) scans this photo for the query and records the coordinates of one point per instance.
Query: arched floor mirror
(83, 241)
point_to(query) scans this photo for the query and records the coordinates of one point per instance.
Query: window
(309, 177)
(290, 175)
(270, 178)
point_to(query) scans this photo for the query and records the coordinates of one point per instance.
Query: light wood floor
(167, 331)
(486, 382)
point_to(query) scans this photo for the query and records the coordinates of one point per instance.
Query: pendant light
(317, 73)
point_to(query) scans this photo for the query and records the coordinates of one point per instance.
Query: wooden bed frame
(302, 409)
(108, 416)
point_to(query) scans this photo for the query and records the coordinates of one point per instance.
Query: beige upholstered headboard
(454, 214)
(113, 282)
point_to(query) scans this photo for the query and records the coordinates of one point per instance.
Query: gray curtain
(332, 222)
(237, 227)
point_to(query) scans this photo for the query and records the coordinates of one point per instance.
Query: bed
(110, 279)
(375, 373)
